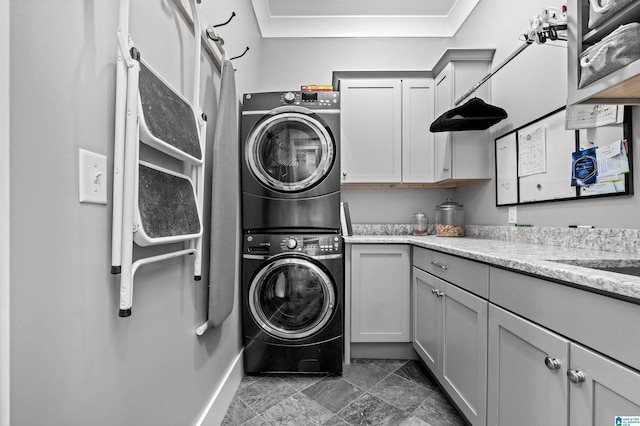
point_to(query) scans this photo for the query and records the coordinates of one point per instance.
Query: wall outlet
(93, 177)
(513, 214)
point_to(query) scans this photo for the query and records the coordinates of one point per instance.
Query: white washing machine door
(290, 151)
(291, 298)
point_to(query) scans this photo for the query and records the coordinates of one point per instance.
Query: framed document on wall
(539, 161)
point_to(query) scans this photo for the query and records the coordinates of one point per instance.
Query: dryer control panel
(308, 244)
(321, 100)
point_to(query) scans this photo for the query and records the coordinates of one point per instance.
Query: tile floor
(369, 392)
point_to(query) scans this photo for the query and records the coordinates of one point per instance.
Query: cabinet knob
(344, 175)
(434, 291)
(439, 293)
(552, 363)
(446, 169)
(575, 376)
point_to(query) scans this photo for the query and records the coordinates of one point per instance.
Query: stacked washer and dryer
(292, 259)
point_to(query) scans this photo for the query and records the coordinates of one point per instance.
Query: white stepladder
(153, 205)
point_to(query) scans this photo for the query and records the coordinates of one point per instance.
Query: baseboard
(383, 351)
(221, 399)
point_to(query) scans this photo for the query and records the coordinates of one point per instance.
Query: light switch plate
(93, 177)
(513, 214)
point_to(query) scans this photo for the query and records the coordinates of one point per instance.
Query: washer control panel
(312, 245)
(311, 99)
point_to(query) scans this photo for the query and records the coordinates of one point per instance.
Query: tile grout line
(432, 391)
(298, 388)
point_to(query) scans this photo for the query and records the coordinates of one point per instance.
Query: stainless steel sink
(627, 267)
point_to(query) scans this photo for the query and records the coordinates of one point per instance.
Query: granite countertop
(535, 259)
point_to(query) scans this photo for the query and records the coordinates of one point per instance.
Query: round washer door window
(290, 151)
(292, 298)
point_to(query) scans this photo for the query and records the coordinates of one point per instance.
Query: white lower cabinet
(537, 377)
(450, 335)
(527, 382)
(380, 293)
(509, 349)
(426, 318)
(609, 389)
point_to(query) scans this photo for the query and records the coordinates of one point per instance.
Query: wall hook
(225, 23)
(211, 33)
(240, 56)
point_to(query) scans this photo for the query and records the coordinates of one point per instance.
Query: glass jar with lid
(450, 219)
(419, 224)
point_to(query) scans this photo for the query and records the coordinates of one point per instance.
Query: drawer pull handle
(439, 265)
(576, 376)
(552, 363)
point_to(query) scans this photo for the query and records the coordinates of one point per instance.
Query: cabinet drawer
(467, 274)
(603, 323)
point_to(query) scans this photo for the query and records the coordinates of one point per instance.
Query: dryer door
(292, 298)
(290, 151)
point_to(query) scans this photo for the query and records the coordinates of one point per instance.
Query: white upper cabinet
(371, 130)
(621, 85)
(461, 155)
(417, 140)
(443, 101)
(385, 134)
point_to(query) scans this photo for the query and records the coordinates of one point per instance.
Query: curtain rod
(541, 30)
(488, 76)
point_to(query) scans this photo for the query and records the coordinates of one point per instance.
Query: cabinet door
(426, 318)
(464, 351)
(610, 390)
(371, 130)
(417, 140)
(442, 140)
(380, 293)
(471, 149)
(520, 385)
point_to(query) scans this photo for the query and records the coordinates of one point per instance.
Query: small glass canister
(419, 224)
(450, 219)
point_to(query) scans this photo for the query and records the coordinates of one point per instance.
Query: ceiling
(361, 18)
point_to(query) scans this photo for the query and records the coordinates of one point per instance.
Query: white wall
(290, 63)
(392, 205)
(73, 360)
(5, 407)
(529, 87)
(526, 98)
